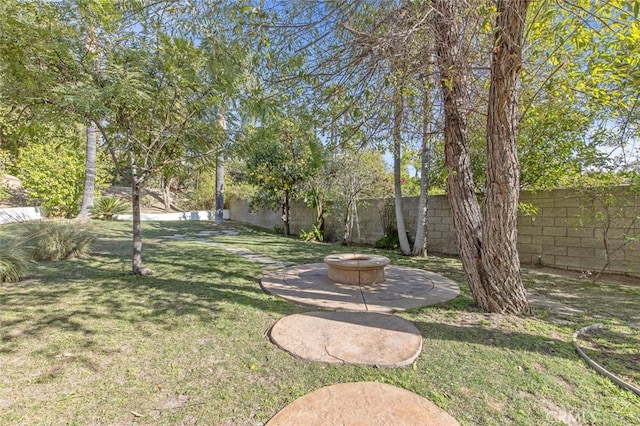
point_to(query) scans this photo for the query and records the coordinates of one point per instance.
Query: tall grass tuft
(57, 240)
(13, 264)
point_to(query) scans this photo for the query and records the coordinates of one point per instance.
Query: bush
(390, 241)
(13, 264)
(53, 176)
(50, 240)
(107, 207)
(314, 235)
(203, 196)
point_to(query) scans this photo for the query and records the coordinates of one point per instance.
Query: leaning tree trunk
(465, 210)
(499, 252)
(89, 190)
(398, 110)
(485, 281)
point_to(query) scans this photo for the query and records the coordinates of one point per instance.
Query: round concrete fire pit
(354, 268)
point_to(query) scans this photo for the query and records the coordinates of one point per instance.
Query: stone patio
(403, 288)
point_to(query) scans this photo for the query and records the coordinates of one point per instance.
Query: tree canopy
(313, 81)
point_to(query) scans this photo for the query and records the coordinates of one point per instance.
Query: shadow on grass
(615, 351)
(71, 296)
(130, 300)
(510, 340)
(591, 302)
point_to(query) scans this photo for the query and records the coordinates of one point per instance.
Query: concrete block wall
(367, 230)
(302, 217)
(568, 231)
(240, 210)
(565, 233)
(440, 232)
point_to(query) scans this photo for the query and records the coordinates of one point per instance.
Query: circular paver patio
(403, 288)
(362, 404)
(365, 338)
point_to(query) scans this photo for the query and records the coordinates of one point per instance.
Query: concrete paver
(365, 338)
(362, 404)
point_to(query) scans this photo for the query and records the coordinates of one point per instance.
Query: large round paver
(366, 338)
(362, 403)
(403, 288)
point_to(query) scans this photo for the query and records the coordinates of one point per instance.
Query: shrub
(51, 240)
(314, 235)
(53, 176)
(390, 241)
(13, 264)
(107, 207)
(4, 193)
(203, 196)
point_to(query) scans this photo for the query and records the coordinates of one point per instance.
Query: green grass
(13, 263)
(84, 342)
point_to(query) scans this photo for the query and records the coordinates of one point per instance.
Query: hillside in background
(16, 196)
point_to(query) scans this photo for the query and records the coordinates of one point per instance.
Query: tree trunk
(420, 240)
(219, 189)
(356, 220)
(499, 251)
(222, 122)
(346, 234)
(89, 190)
(398, 110)
(486, 282)
(136, 258)
(286, 211)
(166, 193)
(320, 221)
(88, 193)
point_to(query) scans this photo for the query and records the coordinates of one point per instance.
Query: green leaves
(282, 155)
(52, 173)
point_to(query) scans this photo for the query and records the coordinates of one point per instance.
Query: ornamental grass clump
(13, 264)
(57, 240)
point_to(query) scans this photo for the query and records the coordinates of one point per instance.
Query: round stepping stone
(362, 403)
(366, 338)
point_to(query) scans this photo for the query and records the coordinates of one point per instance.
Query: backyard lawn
(84, 342)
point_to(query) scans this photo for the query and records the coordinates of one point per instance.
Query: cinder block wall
(302, 217)
(240, 210)
(566, 232)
